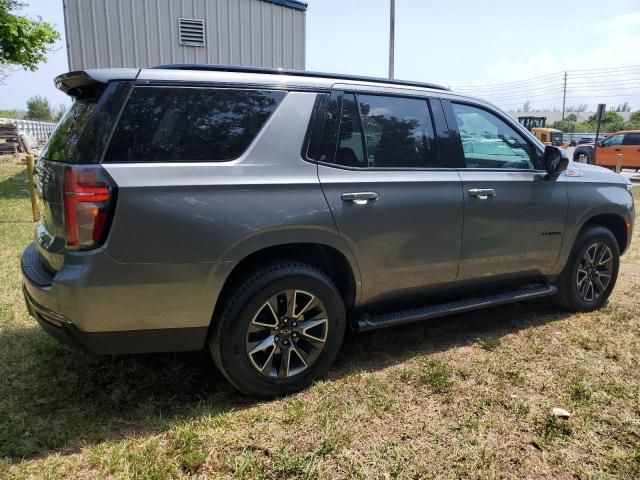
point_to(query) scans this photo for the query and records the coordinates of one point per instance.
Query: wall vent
(191, 32)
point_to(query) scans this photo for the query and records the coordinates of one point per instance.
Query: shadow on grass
(15, 186)
(55, 398)
(385, 347)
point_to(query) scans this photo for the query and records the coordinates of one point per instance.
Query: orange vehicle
(625, 143)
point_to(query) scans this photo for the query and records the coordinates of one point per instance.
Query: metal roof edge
(295, 4)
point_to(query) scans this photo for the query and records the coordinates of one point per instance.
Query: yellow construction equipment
(536, 125)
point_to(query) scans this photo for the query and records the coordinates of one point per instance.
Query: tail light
(89, 200)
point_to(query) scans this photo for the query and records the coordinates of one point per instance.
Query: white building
(143, 33)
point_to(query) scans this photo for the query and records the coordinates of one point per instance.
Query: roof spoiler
(82, 84)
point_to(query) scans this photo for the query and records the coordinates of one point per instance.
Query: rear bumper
(115, 343)
(54, 324)
(45, 302)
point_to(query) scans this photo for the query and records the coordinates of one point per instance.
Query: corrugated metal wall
(142, 33)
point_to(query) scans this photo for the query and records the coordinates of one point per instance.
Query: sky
(468, 45)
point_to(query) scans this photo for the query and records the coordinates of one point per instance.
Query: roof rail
(299, 73)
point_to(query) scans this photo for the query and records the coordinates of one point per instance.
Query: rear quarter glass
(83, 133)
(186, 124)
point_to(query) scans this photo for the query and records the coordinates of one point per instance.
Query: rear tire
(279, 331)
(591, 271)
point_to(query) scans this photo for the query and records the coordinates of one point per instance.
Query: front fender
(588, 200)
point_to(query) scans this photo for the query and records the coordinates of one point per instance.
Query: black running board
(529, 292)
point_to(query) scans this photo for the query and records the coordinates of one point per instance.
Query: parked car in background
(583, 153)
(259, 212)
(624, 145)
(580, 141)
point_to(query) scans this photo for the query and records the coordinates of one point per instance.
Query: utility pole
(599, 114)
(392, 33)
(564, 94)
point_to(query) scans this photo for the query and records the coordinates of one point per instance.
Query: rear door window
(398, 132)
(350, 151)
(167, 124)
(379, 131)
(631, 139)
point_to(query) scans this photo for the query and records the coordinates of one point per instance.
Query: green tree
(611, 122)
(59, 112)
(634, 121)
(11, 113)
(564, 125)
(571, 118)
(621, 107)
(24, 42)
(38, 108)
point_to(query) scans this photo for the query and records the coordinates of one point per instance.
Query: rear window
(166, 124)
(83, 133)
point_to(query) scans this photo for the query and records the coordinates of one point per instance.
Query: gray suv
(260, 212)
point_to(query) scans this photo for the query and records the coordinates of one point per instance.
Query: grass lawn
(468, 396)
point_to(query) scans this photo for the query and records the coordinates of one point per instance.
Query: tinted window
(612, 140)
(398, 132)
(188, 124)
(384, 132)
(82, 134)
(350, 151)
(323, 149)
(489, 142)
(314, 130)
(631, 139)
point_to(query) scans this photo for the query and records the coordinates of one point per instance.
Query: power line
(605, 75)
(571, 80)
(510, 93)
(606, 68)
(633, 82)
(595, 97)
(543, 95)
(523, 89)
(542, 79)
(604, 72)
(607, 90)
(572, 85)
(513, 97)
(606, 96)
(522, 103)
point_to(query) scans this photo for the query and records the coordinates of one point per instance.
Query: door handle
(482, 193)
(359, 198)
(617, 149)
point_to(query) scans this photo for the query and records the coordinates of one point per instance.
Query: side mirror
(555, 161)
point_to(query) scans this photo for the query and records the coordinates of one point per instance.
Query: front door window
(489, 142)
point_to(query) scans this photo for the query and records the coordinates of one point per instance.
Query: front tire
(279, 331)
(591, 272)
